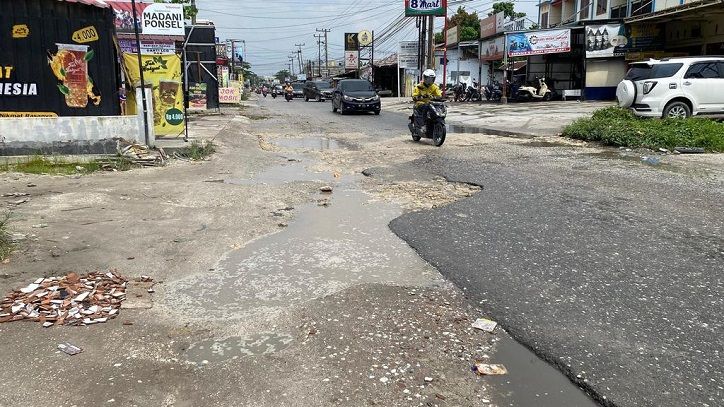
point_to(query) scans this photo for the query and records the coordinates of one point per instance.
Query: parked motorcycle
(458, 92)
(541, 92)
(472, 94)
(493, 91)
(434, 127)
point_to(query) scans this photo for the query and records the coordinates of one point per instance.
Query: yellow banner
(163, 72)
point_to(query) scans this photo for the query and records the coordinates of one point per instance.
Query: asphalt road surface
(608, 268)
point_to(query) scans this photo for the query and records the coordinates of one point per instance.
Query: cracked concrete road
(270, 292)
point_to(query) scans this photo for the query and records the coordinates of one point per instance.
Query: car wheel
(334, 108)
(306, 99)
(319, 98)
(377, 112)
(626, 93)
(677, 110)
(341, 109)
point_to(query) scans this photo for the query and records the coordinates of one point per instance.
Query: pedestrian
(122, 99)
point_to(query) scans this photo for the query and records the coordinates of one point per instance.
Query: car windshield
(297, 86)
(323, 85)
(356, 86)
(645, 71)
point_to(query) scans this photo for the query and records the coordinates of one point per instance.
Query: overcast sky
(271, 28)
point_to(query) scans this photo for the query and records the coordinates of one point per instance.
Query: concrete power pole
(319, 53)
(326, 53)
(301, 59)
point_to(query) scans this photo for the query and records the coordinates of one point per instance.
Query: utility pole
(326, 54)
(319, 53)
(291, 61)
(301, 59)
(431, 43)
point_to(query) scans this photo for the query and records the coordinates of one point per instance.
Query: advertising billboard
(538, 42)
(154, 18)
(351, 41)
(415, 8)
(58, 60)
(451, 36)
(487, 27)
(351, 60)
(493, 49)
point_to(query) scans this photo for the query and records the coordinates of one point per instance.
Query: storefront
(57, 59)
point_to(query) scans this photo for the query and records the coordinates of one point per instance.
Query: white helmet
(428, 77)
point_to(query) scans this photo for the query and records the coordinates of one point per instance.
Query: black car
(355, 95)
(298, 89)
(317, 90)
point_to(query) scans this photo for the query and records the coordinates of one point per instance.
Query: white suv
(674, 87)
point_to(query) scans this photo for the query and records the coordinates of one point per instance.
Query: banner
(436, 8)
(604, 41)
(154, 18)
(451, 36)
(197, 96)
(158, 47)
(351, 60)
(538, 42)
(163, 73)
(493, 49)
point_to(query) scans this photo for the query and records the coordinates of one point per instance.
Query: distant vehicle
(317, 90)
(674, 87)
(277, 90)
(298, 89)
(355, 95)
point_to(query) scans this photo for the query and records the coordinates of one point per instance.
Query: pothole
(308, 143)
(215, 351)
(292, 171)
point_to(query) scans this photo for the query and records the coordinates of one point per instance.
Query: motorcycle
(541, 92)
(264, 91)
(289, 95)
(274, 94)
(493, 91)
(458, 92)
(434, 127)
(472, 93)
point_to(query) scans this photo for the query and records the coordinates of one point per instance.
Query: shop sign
(148, 47)
(408, 62)
(351, 41)
(163, 73)
(487, 27)
(415, 8)
(409, 48)
(514, 25)
(451, 36)
(230, 95)
(499, 22)
(538, 42)
(11, 87)
(351, 60)
(605, 41)
(493, 49)
(365, 38)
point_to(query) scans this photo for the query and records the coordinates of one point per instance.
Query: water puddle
(307, 143)
(545, 144)
(292, 171)
(650, 160)
(215, 351)
(456, 128)
(531, 381)
(324, 250)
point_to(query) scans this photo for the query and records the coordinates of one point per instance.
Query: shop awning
(702, 7)
(96, 3)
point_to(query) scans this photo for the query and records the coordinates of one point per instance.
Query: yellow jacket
(425, 93)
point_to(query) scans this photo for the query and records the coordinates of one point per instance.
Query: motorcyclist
(288, 87)
(423, 94)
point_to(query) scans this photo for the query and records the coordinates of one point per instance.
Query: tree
(468, 26)
(190, 11)
(508, 9)
(282, 75)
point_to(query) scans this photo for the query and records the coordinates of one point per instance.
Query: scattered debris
(485, 369)
(31, 185)
(19, 202)
(283, 224)
(17, 237)
(69, 348)
(16, 194)
(140, 154)
(651, 160)
(40, 226)
(71, 300)
(326, 189)
(485, 324)
(428, 379)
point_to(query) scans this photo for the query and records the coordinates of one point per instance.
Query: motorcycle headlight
(347, 98)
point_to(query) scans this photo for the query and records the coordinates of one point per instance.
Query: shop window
(544, 20)
(585, 8)
(601, 7)
(619, 11)
(706, 70)
(640, 7)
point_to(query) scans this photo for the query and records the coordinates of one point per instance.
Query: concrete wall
(67, 135)
(455, 64)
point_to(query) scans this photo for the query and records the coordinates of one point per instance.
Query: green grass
(197, 151)
(6, 245)
(56, 166)
(619, 127)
